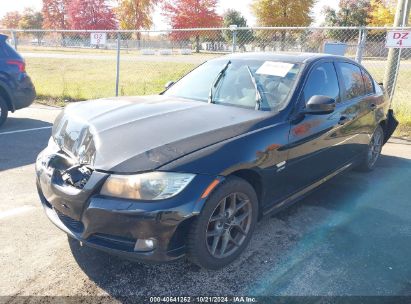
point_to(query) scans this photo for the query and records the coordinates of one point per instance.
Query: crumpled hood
(133, 134)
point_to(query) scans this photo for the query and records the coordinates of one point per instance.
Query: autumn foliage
(55, 14)
(381, 14)
(283, 12)
(91, 15)
(135, 14)
(191, 14)
(11, 20)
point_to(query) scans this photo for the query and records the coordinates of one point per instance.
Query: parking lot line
(15, 211)
(25, 130)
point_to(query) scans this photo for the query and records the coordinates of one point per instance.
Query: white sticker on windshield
(275, 68)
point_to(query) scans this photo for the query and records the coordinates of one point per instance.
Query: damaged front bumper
(117, 225)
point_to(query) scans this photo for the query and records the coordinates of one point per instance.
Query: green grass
(402, 97)
(80, 79)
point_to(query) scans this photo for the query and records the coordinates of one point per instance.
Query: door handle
(373, 106)
(343, 120)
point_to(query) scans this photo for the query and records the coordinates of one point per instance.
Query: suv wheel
(4, 111)
(374, 150)
(225, 225)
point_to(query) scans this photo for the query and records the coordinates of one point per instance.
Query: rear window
(7, 51)
(368, 83)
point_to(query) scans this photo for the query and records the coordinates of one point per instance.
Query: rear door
(357, 106)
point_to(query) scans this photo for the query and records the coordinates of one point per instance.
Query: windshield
(274, 81)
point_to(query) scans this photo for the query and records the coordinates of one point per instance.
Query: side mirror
(169, 84)
(319, 104)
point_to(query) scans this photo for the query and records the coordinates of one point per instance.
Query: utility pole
(394, 54)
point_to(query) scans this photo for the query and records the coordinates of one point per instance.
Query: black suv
(16, 89)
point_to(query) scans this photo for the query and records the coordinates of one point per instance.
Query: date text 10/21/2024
(204, 299)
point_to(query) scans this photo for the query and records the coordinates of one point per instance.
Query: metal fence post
(362, 39)
(394, 54)
(233, 29)
(118, 62)
(14, 37)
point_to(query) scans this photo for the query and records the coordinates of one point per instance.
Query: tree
(55, 14)
(32, 20)
(91, 15)
(135, 14)
(382, 13)
(283, 13)
(191, 14)
(349, 13)
(233, 17)
(11, 20)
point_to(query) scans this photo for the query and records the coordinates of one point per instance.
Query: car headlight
(146, 186)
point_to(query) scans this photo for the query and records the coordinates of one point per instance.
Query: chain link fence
(71, 65)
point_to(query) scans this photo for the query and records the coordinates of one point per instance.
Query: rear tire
(373, 151)
(225, 225)
(4, 111)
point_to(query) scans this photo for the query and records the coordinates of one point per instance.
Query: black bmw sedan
(190, 171)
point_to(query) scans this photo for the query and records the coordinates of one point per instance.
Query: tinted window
(352, 79)
(7, 51)
(368, 83)
(322, 81)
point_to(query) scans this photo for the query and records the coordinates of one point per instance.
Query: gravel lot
(350, 237)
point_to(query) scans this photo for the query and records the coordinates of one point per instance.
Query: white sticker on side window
(275, 68)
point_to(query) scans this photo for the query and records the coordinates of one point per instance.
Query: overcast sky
(241, 5)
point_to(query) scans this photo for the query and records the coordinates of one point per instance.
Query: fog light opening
(145, 245)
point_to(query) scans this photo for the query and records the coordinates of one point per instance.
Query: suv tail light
(20, 64)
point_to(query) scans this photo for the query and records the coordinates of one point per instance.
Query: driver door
(315, 142)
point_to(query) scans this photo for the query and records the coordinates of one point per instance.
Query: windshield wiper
(217, 80)
(258, 98)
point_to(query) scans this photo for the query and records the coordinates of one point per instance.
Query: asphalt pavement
(350, 237)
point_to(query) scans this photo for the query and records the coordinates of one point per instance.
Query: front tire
(374, 150)
(4, 111)
(225, 225)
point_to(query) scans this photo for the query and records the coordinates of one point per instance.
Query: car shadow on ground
(319, 246)
(19, 145)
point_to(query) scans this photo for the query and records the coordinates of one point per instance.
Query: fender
(259, 149)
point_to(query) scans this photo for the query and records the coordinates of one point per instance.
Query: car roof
(286, 57)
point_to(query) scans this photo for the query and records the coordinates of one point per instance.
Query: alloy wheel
(375, 147)
(229, 225)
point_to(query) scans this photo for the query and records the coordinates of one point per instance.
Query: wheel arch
(6, 96)
(255, 180)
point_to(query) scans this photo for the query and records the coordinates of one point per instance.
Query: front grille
(72, 224)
